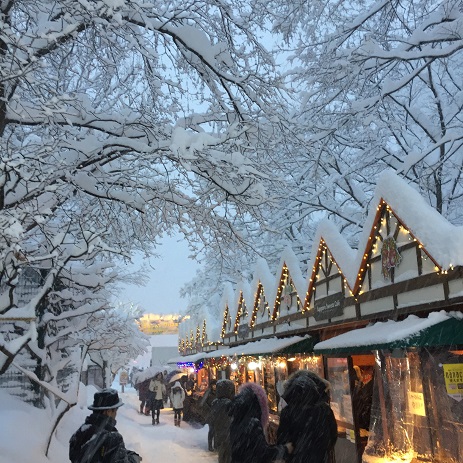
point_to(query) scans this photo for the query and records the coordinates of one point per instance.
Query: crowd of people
(237, 423)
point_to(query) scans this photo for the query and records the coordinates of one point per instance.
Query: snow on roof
(213, 332)
(340, 250)
(243, 288)
(228, 296)
(439, 237)
(263, 346)
(264, 276)
(186, 327)
(294, 267)
(442, 240)
(386, 332)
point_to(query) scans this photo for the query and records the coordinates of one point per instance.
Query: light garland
(190, 365)
(204, 333)
(379, 230)
(225, 321)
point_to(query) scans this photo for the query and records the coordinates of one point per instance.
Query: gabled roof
(290, 260)
(343, 255)
(442, 241)
(226, 303)
(263, 275)
(243, 290)
(228, 296)
(265, 281)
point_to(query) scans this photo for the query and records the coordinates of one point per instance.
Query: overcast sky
(172, 269)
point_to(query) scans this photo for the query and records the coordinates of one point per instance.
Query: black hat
(105, 400)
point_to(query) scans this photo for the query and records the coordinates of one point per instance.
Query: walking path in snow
(164, 442)
(25, 431)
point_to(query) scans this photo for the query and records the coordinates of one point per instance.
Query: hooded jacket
(249, 413)
(206, 401)
(307, 420)
(225, 392)
(177, 396)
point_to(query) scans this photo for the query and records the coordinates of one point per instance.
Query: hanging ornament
(390, 256)
(262, 305)
(287, 297)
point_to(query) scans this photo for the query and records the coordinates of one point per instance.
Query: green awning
(301, 347)
(269, 346)
(412, 332)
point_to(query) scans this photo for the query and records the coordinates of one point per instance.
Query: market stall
(416, 409)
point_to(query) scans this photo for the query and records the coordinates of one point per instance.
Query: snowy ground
(23, 430)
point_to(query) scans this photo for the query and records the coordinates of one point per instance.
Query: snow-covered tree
(379, 85)
(111, 338)
(120, 120)
(375, 85)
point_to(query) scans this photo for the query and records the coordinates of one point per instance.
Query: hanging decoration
(390, 257)
(264, 308)
(287, 294)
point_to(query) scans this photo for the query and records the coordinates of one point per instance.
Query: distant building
(160, 323)
(163, 348)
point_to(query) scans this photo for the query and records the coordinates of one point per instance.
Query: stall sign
(453, 376)
(329, 307)
(416, 403)
(123, 378)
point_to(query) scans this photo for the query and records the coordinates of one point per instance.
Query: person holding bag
(158, 389)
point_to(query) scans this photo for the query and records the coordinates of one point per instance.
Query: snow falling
(268, 136)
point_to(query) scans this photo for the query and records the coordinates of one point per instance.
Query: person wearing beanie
(225, 391)
(249, 418)
(307, 419)
(177, 396)
(98, 439)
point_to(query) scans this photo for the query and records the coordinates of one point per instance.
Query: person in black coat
(307, 420)
(143, 395)
(189, 402)
(220, 419)
(362, 398)
(249, 418)
(98, 439)
(206, 407)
